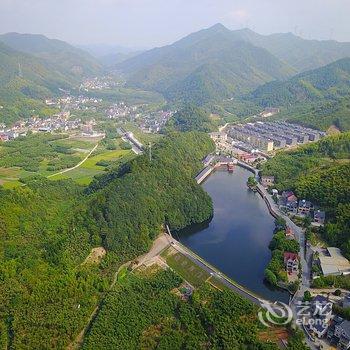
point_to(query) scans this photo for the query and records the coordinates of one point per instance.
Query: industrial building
(251, 137)
(268, 136)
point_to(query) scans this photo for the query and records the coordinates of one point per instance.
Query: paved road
(305, 261)
(136, 145)
(216, 273)
(134, 148)
(299, 235)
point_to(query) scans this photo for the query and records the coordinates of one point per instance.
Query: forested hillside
(329, 82)
(321, 173)
(46, 294)
(145, 313)
(152, 194)
(300, 53)
(321, 115)
(64, 57)
(191, 118)
(204, 66)
(317, 98)
(24, 82)
(47, 229)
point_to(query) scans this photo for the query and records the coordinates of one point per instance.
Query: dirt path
(76, 166)
(158, 246)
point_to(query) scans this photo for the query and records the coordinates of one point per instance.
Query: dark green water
(237, 238)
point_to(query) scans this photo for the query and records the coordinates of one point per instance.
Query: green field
(185, 267)
(79, 175)
(40, 154)
(84, 174)
(105, 155)
(76, 143)
(48, 154)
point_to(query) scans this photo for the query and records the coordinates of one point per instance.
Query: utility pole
(20, 70)
(150, 151)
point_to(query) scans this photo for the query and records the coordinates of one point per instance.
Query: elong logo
(277, 313)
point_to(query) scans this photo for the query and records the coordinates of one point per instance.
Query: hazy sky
(147, 23)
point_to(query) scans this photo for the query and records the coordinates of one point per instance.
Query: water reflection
(236, 239)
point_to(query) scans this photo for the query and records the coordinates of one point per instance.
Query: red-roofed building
(249, 158)
(4, 137)
(289, 233)
(291, 262)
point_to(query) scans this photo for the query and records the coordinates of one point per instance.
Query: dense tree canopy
(146, 313)
(320, 172)
(48, 228)
(131, 208)
(191, 118)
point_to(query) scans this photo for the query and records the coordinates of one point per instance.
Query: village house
(218, 136)
(304, 207)
(267, 181)
(4, 137)
(288, 202)
(289, 233)
(289, 196)
(339, 333)
(319, 217)
(249, 158)
(292, 207)
(291, 262)
(321, 312)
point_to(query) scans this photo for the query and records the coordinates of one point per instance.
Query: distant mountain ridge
(32, 68)
(329, 82)
(65, 57)
(186, 69)
(217, 63)
(301, 54)
(25, 80)
(110, 55)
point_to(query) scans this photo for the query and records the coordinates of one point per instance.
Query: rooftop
(290, 256)
(334, 263)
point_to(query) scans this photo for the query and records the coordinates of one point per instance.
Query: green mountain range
(24, 82)
(65, 57)
(329, 82)
(33, 68)
(215, 64)
(319, 98)
(204, 66)
(301, 54)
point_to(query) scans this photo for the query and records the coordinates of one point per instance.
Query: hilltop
(24, 81)
(32, 68)
(302, 54)
(204, 66)
(319, 97)
(68, 59)
(215, 64)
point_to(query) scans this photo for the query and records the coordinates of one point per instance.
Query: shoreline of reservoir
(236, 239)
